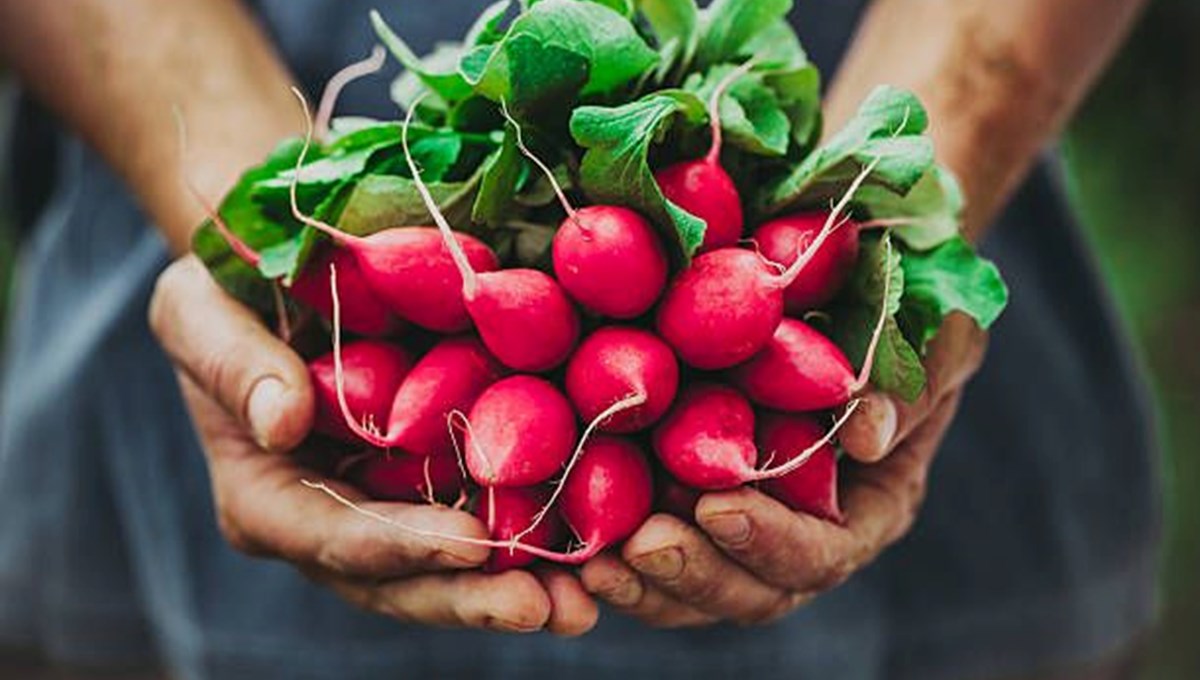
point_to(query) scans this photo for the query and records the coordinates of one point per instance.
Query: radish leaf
(949, 278)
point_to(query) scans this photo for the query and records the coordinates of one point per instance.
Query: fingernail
(262, 409)
(731, 529)
(665, 563)
(885, 419)
(626, 592)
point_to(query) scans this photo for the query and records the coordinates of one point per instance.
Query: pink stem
(340, 80)
(797, 462)
(236, 244)
(830, 227)
(714, 110)
(470, 279)
(864, 374)
(632, 401)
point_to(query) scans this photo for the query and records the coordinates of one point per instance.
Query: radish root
(797, 462)
(359, 69)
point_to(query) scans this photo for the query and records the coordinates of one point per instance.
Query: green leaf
(448, 84)
(751, 115)
(380, 202)
(410, 85)
(728, 25)
(557, 51)
(949, 278)
(245, 217)
(498, 188)
(897, 368)
(671, 20)
(616, 168)
(888, 130)
(486, 30)
(927, 217)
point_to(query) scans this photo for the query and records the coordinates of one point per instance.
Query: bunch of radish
(565, 398)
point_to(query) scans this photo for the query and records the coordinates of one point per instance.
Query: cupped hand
(251, 401)
(752, 560)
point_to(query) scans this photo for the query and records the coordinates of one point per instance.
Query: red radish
(812, 488)
(448, 379)
(725, 307)
(506, 512)
(523, 316)
(608, 496)
(783, 239)
(616, 363)
(372, 371)
(604, 503)
(707, 440)
(600, 244)
(798, 371)
(408, 268)
(801, 370)
(362, 311)
(408, 479)
(702, 187)
(520, 432)
(610, 260)
(677, 499)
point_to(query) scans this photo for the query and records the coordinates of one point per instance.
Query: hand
(250, 399)
(753, 560)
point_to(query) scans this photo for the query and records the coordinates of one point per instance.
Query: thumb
(226, 350)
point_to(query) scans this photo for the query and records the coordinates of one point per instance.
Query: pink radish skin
(409, 268)
(707, 440)
(608, 495)
(725, 307)
(362, 311)
(408, 479)
(523, 316)
(722, 310)
(782, 240)
(798, 371)
(506, 512)
(677, 499)
(373, 371)
(610, 260)
(703, 188)
(520, 432)
(615, 363)
(447, 380)
(598, 245)
(811, 489)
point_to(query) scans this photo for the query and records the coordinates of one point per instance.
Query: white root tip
(339, 376)
(339, 237)
(558, 190)
(333, 90)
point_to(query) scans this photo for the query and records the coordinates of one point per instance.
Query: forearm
(999, 78)
(115, 69)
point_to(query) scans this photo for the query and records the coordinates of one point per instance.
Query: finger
(677, 559)
(882, 421)
(512, 602)
(264, 509)
(572, 611)
(612, 580)
(803, 553)
(224, 347)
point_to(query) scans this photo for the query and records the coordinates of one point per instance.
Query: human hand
(251, 401)
(752, 560)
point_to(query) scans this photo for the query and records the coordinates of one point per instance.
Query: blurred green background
(1129, 153)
